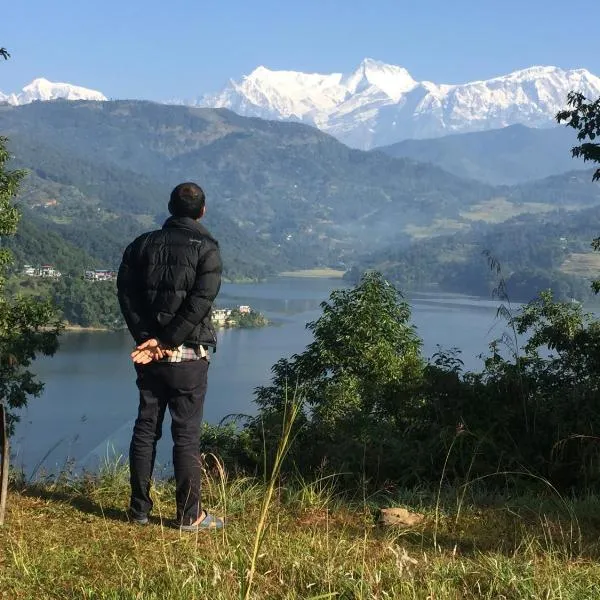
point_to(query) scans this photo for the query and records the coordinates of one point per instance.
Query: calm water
(90, 400)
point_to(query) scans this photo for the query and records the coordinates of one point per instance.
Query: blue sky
(183, 48)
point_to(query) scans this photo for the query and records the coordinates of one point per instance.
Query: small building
(220, 315)
(244, 309)
(49, 271)
(100, 275)
(30, 271)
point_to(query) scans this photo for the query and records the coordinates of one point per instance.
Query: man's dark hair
(187, 200)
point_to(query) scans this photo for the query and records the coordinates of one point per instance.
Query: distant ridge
(512, 155)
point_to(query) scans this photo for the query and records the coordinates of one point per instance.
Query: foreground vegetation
(70, 539)
(372, 407)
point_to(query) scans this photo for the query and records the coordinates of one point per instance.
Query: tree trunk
(4, 467)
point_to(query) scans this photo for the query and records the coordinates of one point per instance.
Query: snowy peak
(43, 90)
(312, 97)
(378, 104)
(391, 80)
(279, 94)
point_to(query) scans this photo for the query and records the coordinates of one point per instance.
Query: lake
(90, 399)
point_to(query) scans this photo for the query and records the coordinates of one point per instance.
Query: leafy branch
(585, 117)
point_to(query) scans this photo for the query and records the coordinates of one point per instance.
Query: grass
(70, 538)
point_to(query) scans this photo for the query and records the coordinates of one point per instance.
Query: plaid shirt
(186, 353)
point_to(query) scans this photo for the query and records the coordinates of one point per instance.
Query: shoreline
(70, 328)
(317, 273)
(80, 329)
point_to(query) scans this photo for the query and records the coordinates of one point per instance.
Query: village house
(220, 315)
(100, 275)
(48, 204)
(43, 271)
(49, 271)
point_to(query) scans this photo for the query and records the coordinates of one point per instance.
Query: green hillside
(281, 196)
(536, 252)
(306, 198)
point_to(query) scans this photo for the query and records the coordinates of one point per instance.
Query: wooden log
(5, 458)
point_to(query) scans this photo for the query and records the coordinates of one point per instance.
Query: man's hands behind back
(149, 351)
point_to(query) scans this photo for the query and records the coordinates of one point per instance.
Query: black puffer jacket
(167, 283)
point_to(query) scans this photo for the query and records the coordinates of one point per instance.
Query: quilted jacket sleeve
(129, 292)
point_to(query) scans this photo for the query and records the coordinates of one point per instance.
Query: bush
(374, 409)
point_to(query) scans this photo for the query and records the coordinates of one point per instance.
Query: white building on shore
(221, 315)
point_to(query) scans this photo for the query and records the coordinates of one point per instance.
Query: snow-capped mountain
(42, 89)
(379, 104)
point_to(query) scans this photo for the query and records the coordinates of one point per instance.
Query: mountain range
(377, 104)
(293, 192)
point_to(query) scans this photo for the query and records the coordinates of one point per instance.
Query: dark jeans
(181, 387)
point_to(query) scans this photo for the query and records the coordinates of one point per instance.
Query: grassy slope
(66, 540)
(582, 264)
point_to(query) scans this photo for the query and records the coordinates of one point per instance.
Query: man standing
(167, 283)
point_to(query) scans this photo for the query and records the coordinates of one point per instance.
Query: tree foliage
(358, 380)
(27, 327)
(584, 116)
(374, 409)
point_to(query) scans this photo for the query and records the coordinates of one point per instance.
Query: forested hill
(283, 195)
(280, 195)
(536, 252)
(98, 208)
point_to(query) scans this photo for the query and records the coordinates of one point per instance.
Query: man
(167, 283)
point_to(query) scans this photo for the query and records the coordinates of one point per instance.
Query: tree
(359, 380)
(27, 327)
(583, 116)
